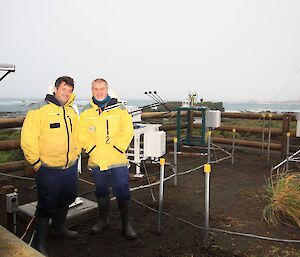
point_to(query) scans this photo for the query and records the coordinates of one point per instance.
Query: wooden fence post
(191, 121)
(286, 127)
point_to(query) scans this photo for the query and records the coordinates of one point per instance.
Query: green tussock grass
(283, 199)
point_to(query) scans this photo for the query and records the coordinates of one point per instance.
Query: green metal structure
(190, 139)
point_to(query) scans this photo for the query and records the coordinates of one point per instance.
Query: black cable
(163, 102)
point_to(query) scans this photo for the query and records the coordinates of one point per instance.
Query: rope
(27, 228)
(220, 230)
(15, 176)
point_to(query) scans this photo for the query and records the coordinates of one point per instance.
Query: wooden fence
(279, 132)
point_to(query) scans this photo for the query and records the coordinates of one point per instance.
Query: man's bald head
(100, 89)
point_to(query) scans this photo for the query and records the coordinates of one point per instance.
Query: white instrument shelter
(137, 152)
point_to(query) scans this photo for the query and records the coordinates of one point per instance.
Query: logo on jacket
(92, 129)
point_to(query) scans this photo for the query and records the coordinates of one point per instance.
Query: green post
(190, 139)
(188, 134)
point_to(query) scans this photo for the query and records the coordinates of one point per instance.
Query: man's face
(99, 90)
(63, 93)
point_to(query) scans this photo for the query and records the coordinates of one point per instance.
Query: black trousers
(55, 188)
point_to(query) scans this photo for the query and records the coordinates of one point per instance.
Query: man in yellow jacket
(50, 145)
(106, 131)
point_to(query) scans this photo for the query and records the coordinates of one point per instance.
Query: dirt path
(237, 201)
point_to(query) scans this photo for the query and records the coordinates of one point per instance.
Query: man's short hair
(68, 80)
(99, 80)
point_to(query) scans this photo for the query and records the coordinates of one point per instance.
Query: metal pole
(287, 149)
(175, 160)
(208, 145)
(269, 135)
(15, 222)
(233, 146)
(161, 191)
(207, 170)
(263, 135)
(203, 129)
(178, 127)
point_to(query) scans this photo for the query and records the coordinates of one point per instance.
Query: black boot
(41, 231)
(127, 229)
(59, 229)
(103, 222)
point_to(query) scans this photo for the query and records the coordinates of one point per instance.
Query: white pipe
(7, 67)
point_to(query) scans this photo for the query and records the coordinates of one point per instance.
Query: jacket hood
(52, 99)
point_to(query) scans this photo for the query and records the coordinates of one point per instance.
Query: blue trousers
(117, 178)
(55, 188)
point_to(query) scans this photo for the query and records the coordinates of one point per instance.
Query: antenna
(135, 112)
(151, 96)
(157, 98)
(8, 68)
(154, 94)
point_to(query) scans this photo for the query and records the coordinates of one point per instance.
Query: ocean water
(279, 107)
(22, 106)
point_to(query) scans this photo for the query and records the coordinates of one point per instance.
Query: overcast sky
(225, 50)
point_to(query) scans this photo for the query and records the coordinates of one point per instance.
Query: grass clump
(283, 199)
(10, 155)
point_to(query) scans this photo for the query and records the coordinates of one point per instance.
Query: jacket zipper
(107, 133)
(68, 136)
(71, 124)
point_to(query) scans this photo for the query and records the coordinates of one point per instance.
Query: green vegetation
(9, 134)
(10, 155)
(283, 199)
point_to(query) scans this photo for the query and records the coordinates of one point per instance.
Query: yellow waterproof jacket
(105, 135)
(49, 134)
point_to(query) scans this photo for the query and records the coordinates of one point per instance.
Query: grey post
(175, 161)
(233, 146)
(207, 175)
(208, 145)
(161, 191)
(287, 149)
(206, 226)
